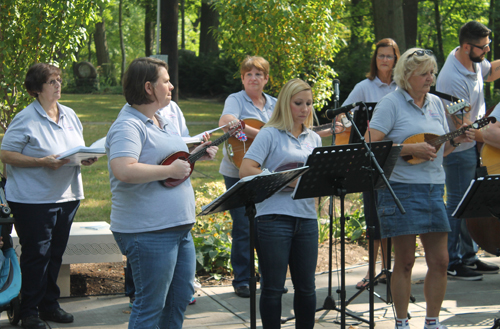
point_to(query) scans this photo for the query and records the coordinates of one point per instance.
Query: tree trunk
(389, 22)
(209, 19)
(101, 50)
(437, 22)
(149, 25)
(169, 29)
(410, 10)
(122, 43)
(183, 25)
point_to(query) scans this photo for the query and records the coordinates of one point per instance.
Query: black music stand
(339, 170)
(361, 117)
(247, 192)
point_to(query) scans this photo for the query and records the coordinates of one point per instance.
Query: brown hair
(387, 42)
(254, 61)
(37, 75)
(140, 71)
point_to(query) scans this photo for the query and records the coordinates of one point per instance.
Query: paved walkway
(467, 304)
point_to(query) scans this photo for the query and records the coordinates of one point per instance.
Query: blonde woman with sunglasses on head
(409, 111)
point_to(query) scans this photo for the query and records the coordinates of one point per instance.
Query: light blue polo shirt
(273, 148)
(33, 133)
(150, 206)
(456, 80)
(397, 116)
(240, 106)
(174, 114)
(370, 91)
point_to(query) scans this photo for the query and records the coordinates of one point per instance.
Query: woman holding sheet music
(409, 111)
(152, 223)
(377, 84)
(286, 229)
(43, 194)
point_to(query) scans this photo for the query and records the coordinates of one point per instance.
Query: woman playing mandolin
(151, 223)
(408, 111)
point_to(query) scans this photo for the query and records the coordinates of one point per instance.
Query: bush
(212, 234)
(207, 75)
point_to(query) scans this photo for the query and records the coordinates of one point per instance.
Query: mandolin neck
(449, 136)
(196, 156)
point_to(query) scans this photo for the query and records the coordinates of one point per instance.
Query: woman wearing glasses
(408, 111)
(378, 83)
(43, 194)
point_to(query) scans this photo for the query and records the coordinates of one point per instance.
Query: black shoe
(285, 290)
(462, 272)
(59, 316)
(482, 267)
(243, 291)
(33, 322)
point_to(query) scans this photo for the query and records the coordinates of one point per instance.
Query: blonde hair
(254, 61)
(410, 64)
(282, 115)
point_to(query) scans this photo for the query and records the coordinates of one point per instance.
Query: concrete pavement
(467, 304)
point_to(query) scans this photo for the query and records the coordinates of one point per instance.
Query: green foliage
(454, 13)
(354, 227)
(211, 234)
(32, 32)
(299, 39)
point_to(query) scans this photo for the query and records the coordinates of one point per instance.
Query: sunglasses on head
(421, 52)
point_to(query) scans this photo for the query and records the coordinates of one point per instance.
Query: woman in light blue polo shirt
(43, 193)
(286, 229)
(408, 111)
(152, 223)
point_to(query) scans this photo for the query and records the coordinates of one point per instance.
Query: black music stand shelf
(339, 170)
(481, 199)
(247, 192)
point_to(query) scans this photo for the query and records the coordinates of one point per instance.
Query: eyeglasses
(53, 82)
(483, 48)
(388, 57)
(421, 52)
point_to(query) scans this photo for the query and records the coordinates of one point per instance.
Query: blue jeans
(43, 231)
(287, 241)
(460, 168)
(240, 247)
(163, 266)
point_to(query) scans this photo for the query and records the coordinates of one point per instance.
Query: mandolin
(437, 141)
(235, 127)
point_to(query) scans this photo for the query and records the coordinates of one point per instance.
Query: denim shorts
(424, 206)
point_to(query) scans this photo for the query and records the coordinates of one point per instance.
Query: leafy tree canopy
(37, 31)
(298, 38)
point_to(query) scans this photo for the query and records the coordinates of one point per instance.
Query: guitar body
(419, 138)
(172, 182)
(343, 137)
(236, 149)
(490, 158)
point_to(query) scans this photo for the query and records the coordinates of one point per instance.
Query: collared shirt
(370, 91)
(174, 114)
(150, 206)
(397, 116)
(240, 106)
(273, 148)
(456, 80)
(33, 133)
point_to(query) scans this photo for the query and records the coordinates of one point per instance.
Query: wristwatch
(452, 143)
